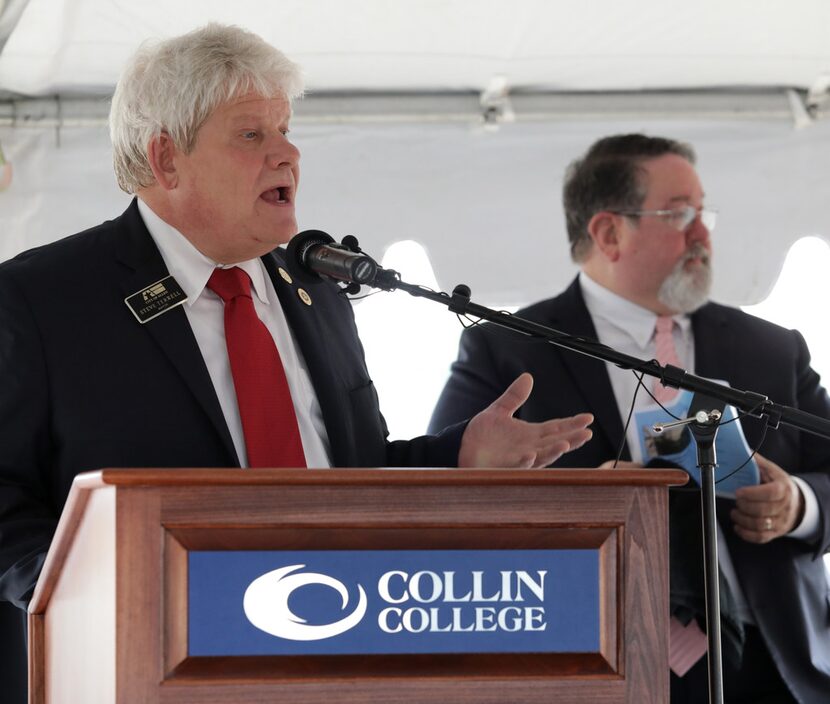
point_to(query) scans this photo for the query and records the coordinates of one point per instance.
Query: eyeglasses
(679, 219)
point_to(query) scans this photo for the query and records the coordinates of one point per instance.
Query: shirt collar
(188, 265)
(627, 317)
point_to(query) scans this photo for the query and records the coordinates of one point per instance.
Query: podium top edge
(375, 477)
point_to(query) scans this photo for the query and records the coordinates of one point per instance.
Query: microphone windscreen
(296, 252)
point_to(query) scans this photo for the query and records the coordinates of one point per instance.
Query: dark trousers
(13, 668)
(756, 681)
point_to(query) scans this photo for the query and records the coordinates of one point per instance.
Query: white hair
(173, 86)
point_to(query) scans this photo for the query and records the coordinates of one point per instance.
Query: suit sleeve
(814, 466)
(438, 450)
(474, 383)
(27, 517)
(357, 430)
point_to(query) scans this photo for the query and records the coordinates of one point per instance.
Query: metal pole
(710, 568)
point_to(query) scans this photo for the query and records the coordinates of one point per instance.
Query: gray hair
(173, 86)
(609, 177)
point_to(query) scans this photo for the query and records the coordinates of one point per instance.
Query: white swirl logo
(266, 605)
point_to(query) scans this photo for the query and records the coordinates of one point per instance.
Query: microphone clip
(701, 418)
(350, 288)
(460, 299)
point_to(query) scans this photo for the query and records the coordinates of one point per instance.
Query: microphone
(314, 253)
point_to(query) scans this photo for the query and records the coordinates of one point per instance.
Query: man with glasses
(640, 233)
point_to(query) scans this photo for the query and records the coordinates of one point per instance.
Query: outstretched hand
(494, 438)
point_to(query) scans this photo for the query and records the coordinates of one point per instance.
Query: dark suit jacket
(784, 581)
(85, 386)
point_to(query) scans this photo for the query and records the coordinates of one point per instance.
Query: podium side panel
(139, 595)
(79, 623)
(646, 598)
(175, 603)
(610, 591)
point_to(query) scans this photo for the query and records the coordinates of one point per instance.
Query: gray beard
(685, 291)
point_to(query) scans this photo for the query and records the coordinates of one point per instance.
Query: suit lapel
(712, 359)
(171, 331)
(320, 358)
(568, 313)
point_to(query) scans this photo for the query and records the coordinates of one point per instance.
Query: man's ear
(161, 152)
(604, 229)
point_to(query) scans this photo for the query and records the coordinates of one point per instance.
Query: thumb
(768, 470)
(516, 394)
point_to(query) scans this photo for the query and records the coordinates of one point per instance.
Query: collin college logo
(266, 605)
(436, 602)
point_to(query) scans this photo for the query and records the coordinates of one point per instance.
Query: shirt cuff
(808, 528)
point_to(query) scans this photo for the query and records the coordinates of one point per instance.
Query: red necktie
(687, 644)
(272, 437)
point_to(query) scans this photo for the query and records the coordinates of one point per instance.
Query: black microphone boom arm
(312, 253)
(748, 402)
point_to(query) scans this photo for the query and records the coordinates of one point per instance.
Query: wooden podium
(109, 618)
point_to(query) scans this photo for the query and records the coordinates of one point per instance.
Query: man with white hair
(640, 232)
(174, 336)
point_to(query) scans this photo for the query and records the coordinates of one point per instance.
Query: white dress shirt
(205, 313)
(629, 328)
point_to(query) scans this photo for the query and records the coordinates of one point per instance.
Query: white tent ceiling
(78, 45)
(392, 134)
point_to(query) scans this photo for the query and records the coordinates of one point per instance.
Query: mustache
(696, 251)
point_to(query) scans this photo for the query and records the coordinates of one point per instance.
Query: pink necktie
(687, 644)
(272, 437)
(666, 353)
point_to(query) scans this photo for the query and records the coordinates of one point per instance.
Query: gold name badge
(156, 299)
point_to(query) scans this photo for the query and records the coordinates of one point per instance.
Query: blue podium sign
(392, 601)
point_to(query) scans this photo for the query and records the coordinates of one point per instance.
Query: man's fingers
(761, 528)
(761, 522)
(515, 395)
(552, 453)
(562, 435)
(559, 426)
(621, 464)
(754, 536)
(555, 447)
(771, 476)
(761, 510)
(755, 500)
(768, 510)
(579, 438)
(495, 438)
(768, 470)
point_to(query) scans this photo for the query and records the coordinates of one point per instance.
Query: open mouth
(281, 195)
